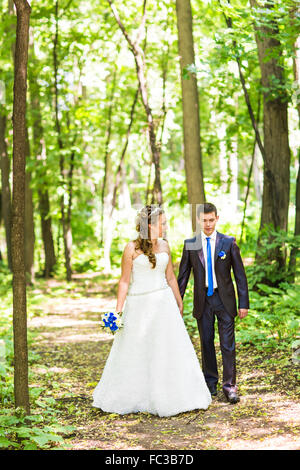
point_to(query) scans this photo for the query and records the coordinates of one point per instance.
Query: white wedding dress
(152, 366)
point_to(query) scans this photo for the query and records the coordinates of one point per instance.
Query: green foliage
(274, 317)
(272, 322)
(267, 268)
(18, 431)
(40, 430)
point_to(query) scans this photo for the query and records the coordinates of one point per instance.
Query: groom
(211, 255)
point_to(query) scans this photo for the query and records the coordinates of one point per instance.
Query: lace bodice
(144, 278)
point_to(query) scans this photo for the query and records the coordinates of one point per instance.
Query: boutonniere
(222, 254)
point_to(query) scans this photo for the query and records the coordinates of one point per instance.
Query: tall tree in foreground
(18, 207)
(190, 106)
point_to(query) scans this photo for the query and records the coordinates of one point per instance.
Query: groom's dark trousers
(221, 305)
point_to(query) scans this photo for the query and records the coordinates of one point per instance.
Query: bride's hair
(148, 215)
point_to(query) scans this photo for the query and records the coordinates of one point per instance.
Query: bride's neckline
(143, 254)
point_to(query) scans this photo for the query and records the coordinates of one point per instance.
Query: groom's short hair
(206, 208)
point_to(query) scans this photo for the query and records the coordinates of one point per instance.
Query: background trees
(85, 119)
(114, 97)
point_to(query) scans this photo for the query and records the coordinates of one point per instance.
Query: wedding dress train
(152, 365)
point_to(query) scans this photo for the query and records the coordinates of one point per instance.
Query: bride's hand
(180, 306)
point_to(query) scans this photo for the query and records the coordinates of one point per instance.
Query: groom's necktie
(210, 290)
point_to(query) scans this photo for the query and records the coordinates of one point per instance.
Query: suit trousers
(206, 325)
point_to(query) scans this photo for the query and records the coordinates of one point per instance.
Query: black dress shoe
(232, 397)
(213, 391)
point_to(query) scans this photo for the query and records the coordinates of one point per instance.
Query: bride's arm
(172, 281)
(124, 281)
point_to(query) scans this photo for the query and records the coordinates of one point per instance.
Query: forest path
(72, 352)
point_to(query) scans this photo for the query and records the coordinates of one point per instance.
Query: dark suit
(221, 304)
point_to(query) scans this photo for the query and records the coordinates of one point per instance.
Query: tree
(39, 152)
(139, 58)
(296, 70)
(66, 176)
(18, 207)
(275, 200)
(6, 193)
(190, 105)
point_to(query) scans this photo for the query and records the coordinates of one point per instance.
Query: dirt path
(73, 351)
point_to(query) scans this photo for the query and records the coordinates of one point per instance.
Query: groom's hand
(243, 312)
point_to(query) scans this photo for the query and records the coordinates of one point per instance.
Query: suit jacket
(193, 258)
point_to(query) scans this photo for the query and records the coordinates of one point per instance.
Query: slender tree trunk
(275, 201)
(6, 193)
(18, 208)
(190, 106)
(110, 222)
(139, 58)
(250, 172)
(29, 222)
(40, 156)
(107, 165)
(121, 163)
(47, 236)
(245, 91)
(67, 235)
(29, 219)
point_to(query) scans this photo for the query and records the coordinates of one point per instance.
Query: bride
(152, 366)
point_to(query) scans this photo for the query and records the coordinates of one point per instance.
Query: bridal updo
(147, 216)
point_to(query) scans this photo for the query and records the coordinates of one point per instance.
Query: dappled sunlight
(56, 370)
(70, 338)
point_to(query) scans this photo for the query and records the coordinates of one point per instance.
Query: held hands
(180, 306)
(243, 312)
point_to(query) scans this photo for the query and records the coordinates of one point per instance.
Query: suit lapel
(218, 246)
(200, 252)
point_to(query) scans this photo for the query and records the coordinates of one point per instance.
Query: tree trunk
(250, 171)
(29, 219)
(295, 250)
(40, 155)
(6, 193)
(110, 221)
(139, 58)
(190, 105)
(107, 163)
(18, 208)
(275, 200)
(29, 222)
(67, 234)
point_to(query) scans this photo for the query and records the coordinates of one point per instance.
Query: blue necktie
(210, 290)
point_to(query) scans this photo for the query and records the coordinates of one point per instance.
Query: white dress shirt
(212, 246)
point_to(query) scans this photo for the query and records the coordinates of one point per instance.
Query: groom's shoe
(232, 397)
(213, 390)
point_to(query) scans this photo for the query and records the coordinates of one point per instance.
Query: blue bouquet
(112, 321)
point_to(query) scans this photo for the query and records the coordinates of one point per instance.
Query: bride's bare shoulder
(164, 245)
(130, 248)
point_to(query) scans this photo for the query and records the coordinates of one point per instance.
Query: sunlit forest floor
(71, 353)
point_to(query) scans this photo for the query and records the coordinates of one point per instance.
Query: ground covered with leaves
(71, 350)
